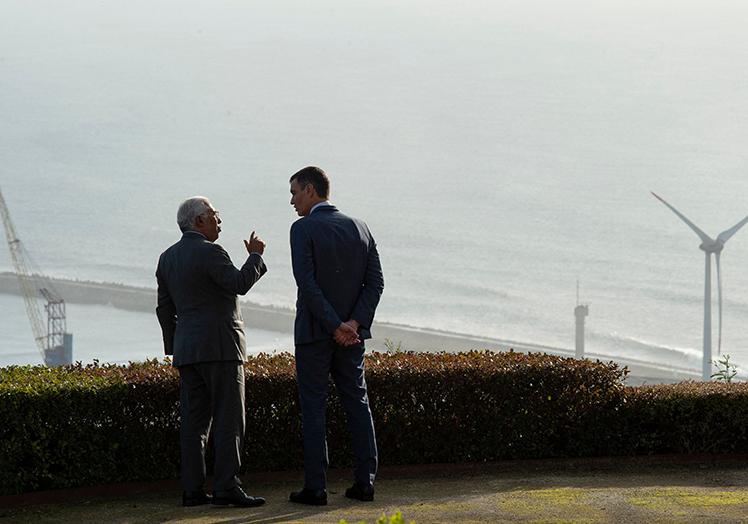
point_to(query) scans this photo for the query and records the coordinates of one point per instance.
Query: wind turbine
(709, 246)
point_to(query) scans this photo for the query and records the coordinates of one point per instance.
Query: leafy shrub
(690, 417)
(85, 425)
(481, 406)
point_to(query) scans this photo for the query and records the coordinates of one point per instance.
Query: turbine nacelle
(712, 246)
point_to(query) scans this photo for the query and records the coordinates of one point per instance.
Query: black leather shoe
(310, 497)
(195, 498)
(361, 492)
(236, 497)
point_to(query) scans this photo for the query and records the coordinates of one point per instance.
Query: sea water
(499, 151)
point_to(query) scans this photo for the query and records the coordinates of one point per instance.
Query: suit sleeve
(371, 290)
(302, 260)
(236, 281)
(166, 312)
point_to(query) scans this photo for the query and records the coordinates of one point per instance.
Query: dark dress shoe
(195, 498)
(310, 497)
(236, 497)
(361, 492)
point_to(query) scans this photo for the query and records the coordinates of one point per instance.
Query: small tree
(392, 347)
(725, 369)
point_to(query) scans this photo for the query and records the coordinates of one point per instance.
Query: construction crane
(55, 345)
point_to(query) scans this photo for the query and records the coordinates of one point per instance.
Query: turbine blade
(726, 234)
(719, 299)
(703, 236)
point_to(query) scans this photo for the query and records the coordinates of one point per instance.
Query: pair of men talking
(339, 279)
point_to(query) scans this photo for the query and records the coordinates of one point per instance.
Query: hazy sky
(498, 150)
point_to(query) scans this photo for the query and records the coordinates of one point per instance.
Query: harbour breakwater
(386, 335)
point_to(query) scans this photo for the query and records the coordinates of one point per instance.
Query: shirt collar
(319, 204)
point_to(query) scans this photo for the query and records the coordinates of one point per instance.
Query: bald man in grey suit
(202, 328)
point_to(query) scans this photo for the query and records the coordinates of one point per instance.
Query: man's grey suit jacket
(338, 274)
(198, 308)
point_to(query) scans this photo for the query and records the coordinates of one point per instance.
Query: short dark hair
(315, 176)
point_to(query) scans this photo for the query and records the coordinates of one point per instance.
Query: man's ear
(310, 191)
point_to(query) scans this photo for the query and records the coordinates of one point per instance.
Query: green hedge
(690, 417)
(86, 425)
(78, 425)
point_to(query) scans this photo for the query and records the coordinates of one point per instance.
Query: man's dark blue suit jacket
(338, 274)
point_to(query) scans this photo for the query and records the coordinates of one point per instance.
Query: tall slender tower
(580, 312)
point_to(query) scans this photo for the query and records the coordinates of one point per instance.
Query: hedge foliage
(690, 417)
(96, 424)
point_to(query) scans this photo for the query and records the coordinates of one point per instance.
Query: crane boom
(54, 344)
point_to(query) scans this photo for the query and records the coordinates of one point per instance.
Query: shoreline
(271, 318)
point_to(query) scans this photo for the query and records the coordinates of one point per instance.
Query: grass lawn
(667, 490)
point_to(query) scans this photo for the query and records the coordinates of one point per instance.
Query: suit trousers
(211, 393)
(315, 363)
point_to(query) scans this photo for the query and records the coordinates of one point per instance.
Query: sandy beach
(408, 338)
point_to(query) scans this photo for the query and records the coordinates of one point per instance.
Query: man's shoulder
(299, 226)
(358, 222)
(330, 219)
(210, 250)
(316, 218)
(332, 214)
(320, 219)
(169, 251)
(191, 244)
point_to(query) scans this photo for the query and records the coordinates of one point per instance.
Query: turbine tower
(581, 311)
(709, 246)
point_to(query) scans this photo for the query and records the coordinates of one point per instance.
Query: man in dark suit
(339, 279)
(202, 327)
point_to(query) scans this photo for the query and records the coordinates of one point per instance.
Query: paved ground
(660, 490)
